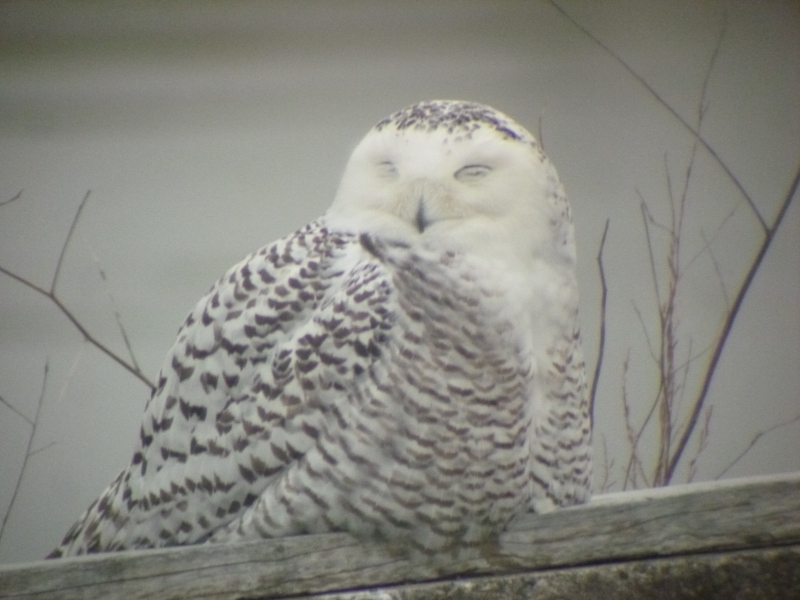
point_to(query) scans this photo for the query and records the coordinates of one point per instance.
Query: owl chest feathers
(442, 417)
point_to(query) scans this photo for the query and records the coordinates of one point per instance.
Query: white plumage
(407, 367)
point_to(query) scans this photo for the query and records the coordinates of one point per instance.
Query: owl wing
(561, 459)
(232, 406)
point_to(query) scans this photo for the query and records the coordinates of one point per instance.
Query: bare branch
(42, 449)
(661, 380)
(646, 217)
(677, 226)
(66, 242)
(702, 106)
(664, 319)
(28, 452)
(674, 374)
(717, 270)
(668, 176)
(117, 315)
(705, 434)
(679, 391)
(692, 358)
(717, 231)
(608, 465)
(10, 200)
(602, 342)
(753, 442)
(541, 133)
(630, 472)
(635, 467)
(15, 411)
(88, 336)
(728, 326)
(646, 334)
(51, 295)
(650, 217)
(641, 80)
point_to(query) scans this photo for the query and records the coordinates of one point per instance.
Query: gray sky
(206, 130)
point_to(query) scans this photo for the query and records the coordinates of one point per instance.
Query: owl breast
(427, 443)
(461, 383)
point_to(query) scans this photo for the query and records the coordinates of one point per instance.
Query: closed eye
(472, 173)
(387, 168)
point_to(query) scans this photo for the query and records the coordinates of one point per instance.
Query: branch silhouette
(602, 342)
(28, 452)
(755, 440)
(673, 439)
(728, 325)
(132, 367)
(16, 196)
(684, 123)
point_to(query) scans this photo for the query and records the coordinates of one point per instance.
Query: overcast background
(206, 130)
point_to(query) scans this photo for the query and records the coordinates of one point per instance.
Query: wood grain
(707, 522)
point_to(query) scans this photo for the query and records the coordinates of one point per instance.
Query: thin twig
(641, 80)
(73, 368)
(678, 227)
(634, 462)
(117, 315)
(679, 392)
(42, 449)
(673, 391)
(646, 208)
(608, 465)
(646, 334)
(602, 342)
(664, 320)
(717, 231)
(705, 434)
(51, 295)
(626, 409)
(88, 336)
(702, 106)
(727, 326)
(692, 358)
(717, 270)
(541, 134)
(28, 452)
(668, 399)
(753, 442)
(66, 242)
(660, 391)
(15, 411)
(10, 200)
(668, 177)
(647, 218)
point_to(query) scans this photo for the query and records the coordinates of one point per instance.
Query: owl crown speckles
(408, 367)
(455, 117)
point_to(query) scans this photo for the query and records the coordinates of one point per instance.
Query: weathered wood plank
(662, 522)
(771, 574)
(674, 521)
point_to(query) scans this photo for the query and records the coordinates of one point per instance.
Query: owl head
(457, 176)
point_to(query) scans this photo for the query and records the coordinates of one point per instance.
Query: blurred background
(207, 129)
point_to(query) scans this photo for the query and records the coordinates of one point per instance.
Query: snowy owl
(408, 367)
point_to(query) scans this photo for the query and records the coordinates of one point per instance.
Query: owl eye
(387, 168)
(472, 173)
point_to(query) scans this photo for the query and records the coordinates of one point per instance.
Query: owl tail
(95, 528)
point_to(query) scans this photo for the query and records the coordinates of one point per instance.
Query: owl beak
(420, 220)
(425, 194)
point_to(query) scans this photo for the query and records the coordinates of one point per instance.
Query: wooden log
(685, 532)
(743, 575)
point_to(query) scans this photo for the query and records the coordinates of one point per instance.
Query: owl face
(451, 175)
